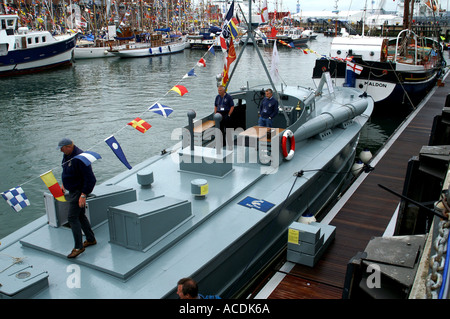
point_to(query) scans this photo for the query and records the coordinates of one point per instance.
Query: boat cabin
(245, 131)
(8, 22)
(367, 48)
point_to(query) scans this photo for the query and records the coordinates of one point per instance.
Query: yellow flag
(53, 186)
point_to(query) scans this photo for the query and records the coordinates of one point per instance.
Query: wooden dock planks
(366, 214)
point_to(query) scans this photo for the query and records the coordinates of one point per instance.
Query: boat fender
(160, 50)
(150, 50)
(288, 135)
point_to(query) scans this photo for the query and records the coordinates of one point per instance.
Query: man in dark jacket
(268, 109)
(79, 180)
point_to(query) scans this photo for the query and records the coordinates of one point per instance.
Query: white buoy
(307, 218)
(357, 167)
(365, 155)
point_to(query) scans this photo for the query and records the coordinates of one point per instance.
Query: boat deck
(365, 211)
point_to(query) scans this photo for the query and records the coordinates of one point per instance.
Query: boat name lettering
(377, 84)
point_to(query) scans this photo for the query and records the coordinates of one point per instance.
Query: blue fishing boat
(23, 51)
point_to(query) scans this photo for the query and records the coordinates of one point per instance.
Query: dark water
(97, 98)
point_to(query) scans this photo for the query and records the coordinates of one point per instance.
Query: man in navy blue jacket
(268, 109)
(79, 180)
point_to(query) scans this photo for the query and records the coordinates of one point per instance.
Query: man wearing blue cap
(79, 180)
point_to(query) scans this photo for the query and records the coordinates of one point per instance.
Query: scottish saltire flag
(190, 73)
(140, 125)
(161, 109)
(88, 157)
(53, 186)
(16, 198)
(115, 147)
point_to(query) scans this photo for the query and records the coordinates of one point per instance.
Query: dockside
(365, 211)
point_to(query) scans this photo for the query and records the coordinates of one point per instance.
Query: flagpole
(250, 29)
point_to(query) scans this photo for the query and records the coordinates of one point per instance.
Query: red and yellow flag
(179, 89)
(140, 125)
(231, 56)
(53, 186)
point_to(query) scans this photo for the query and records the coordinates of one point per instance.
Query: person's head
(221, 90)
(66, 146)
(187, 288)
(269, 93)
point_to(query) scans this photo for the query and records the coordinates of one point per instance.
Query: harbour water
(97, 98)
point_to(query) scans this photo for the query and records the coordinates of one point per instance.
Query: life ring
(288, 135)
(324, 68)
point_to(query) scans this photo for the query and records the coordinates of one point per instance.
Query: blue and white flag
(190, 73)
(114, 145)
(226, 30)
(88, 157)
(211, 49)
(161, 109)
(16, 198)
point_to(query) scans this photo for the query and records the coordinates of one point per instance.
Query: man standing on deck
(268, 109)
(224, 105)
(79, 180)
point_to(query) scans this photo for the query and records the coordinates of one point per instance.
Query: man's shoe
(89, 243)
(75, 252)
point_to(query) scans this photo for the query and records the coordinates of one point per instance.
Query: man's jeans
(78, 220)
(265, 122)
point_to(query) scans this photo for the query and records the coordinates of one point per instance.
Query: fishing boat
(23, 51)
(217, 214)
(92, 50)
(309, 34)
(398, 71)
(156, 46)
(204, 39)
(292, 36)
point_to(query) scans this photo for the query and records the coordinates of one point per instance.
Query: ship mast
(250, 33)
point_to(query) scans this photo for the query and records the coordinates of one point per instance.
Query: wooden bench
(201, 132)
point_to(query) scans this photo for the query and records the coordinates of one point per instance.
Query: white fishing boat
(394, 71)
(23, 51)
(92, 50)
(156, 46)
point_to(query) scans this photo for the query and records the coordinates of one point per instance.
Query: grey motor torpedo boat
(217, 214)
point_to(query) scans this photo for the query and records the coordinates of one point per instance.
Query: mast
(250, 32)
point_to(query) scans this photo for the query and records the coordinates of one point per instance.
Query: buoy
(307, 218)
(365, 155)
(357, 167)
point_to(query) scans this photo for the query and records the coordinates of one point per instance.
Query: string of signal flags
(16, 197)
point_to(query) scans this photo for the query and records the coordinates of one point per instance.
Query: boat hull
(387, 87)
(41, 58)
(137, 51)
(224, 243)
(92, 53)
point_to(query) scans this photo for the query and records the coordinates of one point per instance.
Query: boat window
(44, 39)
(29, 40)
(36, 40)
(10, 22)
(3, 24)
